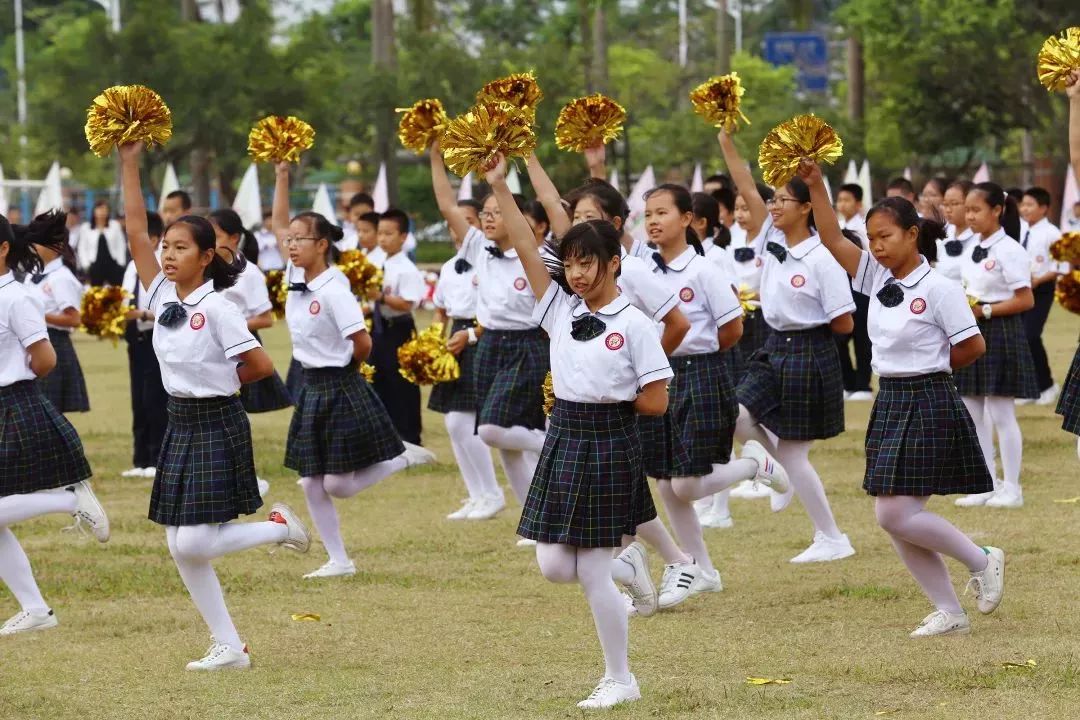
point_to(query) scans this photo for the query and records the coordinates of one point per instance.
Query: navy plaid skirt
(65, 386)
(1069, 401)
(339, 425)
(1006, 369)
(266, 395)
(206, 469)
(921, 440)
(508, 372)
(294, 379)
(459, 395)
(696, 431)
(793, 385)
(590, 487)
(39, 449)
(755, 332)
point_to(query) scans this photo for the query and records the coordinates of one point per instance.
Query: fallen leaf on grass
(1069, 500)
(306, 617)
(1020, 666)
(767, 681)
(887, 712)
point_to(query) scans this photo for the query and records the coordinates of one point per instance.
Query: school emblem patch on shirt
(757, 261)
(197, 321)
(475, 280)
(686, 294)
(918, 306)
(1039, 259)
(519, 283)
(614, 341)
(990, 264)
(797, 281)
(314, 307)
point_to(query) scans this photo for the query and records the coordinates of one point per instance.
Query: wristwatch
(472, 337)
(987, 310)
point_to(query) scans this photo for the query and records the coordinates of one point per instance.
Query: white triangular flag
(248, 202)
(323, 205)
(513, 181)
(852, 174)
(465, 189)
(614, 181)
(1069, 198)
(381, 193)
(636, 220)
(982, 174)
(828, 186)
(3, 194)
(907, 173)
(169, 184)
(696, 183)
(52, 194)
(867, 185)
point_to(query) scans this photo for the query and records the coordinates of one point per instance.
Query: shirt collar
(199, 294)
(7, 278)
(966, 235)
(915, 276)
(395, 258)
(993, 240)
(1042, 223)
(805, 247)
(53, 264)
(707, 244)
(679, 264)
(322, 279)
(614, 307)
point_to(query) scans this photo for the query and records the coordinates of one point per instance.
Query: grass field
(450, 620)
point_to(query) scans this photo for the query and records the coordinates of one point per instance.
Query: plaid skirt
(266, 395)
(590, 487)
(39, 449)
(755, 332)
(294, 379)
(921, 441)
(508, 375)
(1006, 369)
(206, 469)
(459, 395)
(697, 430)
(339, 425)
(1068, 406)
(65, 386)
(793, 385)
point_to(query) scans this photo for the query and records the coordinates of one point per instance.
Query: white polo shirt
(719, 257)
(1039, 238)
(376, 256)
(856, 224)
(322, 320)
(914, 337)
(952, 266)
(610, 368)
(249, 294)
(505, 299)
(455, 293)
(269, 254)
(809, 289)
(747, 258)
(403, 279)
(197, 357)
(998, 276)
(643, 290)
(22, 323)
(57, 291)
(705, 297)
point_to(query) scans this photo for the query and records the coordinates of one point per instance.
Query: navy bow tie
(462, 266)
(891, 295)
(659, 260)
(587, 327)
(744, 254)
(36, 278)
(777, 251)
(496, 252)
(953, 248)
(298, 287)
(979, 254)
(172, 315)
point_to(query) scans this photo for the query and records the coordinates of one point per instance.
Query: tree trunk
(199, 159)
(586, 39)
(856, 80)
(384, 57)
(599, 50)
(723, 45)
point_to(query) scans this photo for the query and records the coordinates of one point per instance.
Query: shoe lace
(602, 688)
(80, 524)
(974, 584)
(17, 619)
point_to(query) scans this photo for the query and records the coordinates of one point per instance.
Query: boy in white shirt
(849, 213)
(1036, 239)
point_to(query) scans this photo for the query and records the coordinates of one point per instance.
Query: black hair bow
(954, 248)
(462, 266)
(496, 252)
(36, 278)
(172, 315)
(744, 254)
(659, 260)
(777, 250)
(299, 287)
(979, 254)
(587, 327)
(891, 295)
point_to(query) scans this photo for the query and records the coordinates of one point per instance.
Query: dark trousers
(1034, 322)
(401, 397)
(149, 401)
(857, 376)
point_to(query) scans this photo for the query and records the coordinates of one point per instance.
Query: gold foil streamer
(519, 90)
(104, 311)
(789, 142)
(589, 121)
(471, 140)
(365, 278)
(125, 114)
(425, 359)
(718, 100)
(1058, 59)
(276, 139)
(422, 124)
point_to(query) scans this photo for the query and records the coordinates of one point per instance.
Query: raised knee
(683, 489)
(558, 573)
(335, 486)
(189, 544)
(491, 435)
(889, 520)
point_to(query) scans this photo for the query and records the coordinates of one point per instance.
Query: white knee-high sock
(519, 471)
(323, 513)
(202, 584)
(15, 572)
(684, 521)
(470, 453)
(984, 430)
(1002, 413)
(720, 503)
(594, 570)
(795, 457)
(17, 508)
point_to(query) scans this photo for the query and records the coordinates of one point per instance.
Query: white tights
(921, 538)
(595, 569)
(472, 455)
(519, 450)
(684, 521)
(15, 571)
(193, 547)
(998, 413)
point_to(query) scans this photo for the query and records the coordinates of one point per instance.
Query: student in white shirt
(1041, 233)
(932, 197)
(206, 473)
(367, 236)
(44, 469)
(921, 440)
(1069, 402)
(849, 213)
(269, 254)
(955, 250)
(1072, 222)
(60, 293)
(590, 491)
(997, 277)
(341, 440)
(100, 248)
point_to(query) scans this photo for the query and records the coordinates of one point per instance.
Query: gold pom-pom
(804, 136)
(747, 298)
(518, 90)
(425, 359)
(421, 124)
(276, 139)
(718, 100)
(104, 311)
(1058, 59)
(368, 371)
(1068, 291)
(1066, 248)
(275, 286)
(365, 278)
(126, 114)
(473, 139)
(588, 122)
(549, 394)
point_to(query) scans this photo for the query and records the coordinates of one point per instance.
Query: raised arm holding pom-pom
(521, 235)
(139, 244)
(744, 181)
(846, 253)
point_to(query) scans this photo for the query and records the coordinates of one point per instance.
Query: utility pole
(599, 49)
(723, 46)
(384, 57)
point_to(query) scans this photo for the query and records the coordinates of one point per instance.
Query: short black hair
(361, 199)
(397, 216)
(853, 189)
(155, 226)
(902, 184)
(1039, 195)
(726, 197)
(1015, 193)
(473, 203)
(185, 199)
(371, 218)
(722, 180)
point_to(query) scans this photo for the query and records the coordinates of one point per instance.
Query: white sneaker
(770, 473)
(149, 472)
(940, 622)
(847, 395)
(298, 538)
(463, 512)
(631, 611)
(333, 569)
(1006, 497)
(1049, 395)
(26, 621)
(1024, 401)
(683, 580)
(749, 490)
(641, 589)
(976, 500)
(779, 501)
(526, 542)
(133, 472)
(487, 507)
(88, 511)
(703, 507)
(825, 549)
(989, 584)
(416, 455)
(861, 396)
(610, 693)
(222, 657)
(716, 521)
(264, 487)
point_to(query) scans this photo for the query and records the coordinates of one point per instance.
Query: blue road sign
(807, 51)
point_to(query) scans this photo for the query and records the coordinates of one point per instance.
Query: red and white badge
(757, 261)
(1040, 259)
(314, 307)
(990, 264)
(614, 341)
(475, 280)
(686, 294)
(519, 283)
(918, 306)
(197, 321)
(797, 281)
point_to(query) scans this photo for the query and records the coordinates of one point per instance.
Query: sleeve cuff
(542, 308)
(664, 373)
(670, 304)
(349, 330)
(29, 340)
(729, 316)
(961, 335)
(263, 308)
(863, 282)
(848, 308)
(1025, 283)
(242, 347)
